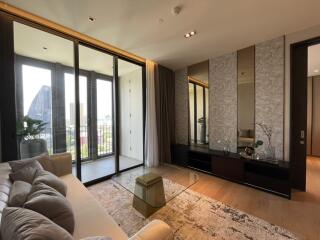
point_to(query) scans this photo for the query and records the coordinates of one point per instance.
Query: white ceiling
(30, 42)
(314, 60)
(222, 26)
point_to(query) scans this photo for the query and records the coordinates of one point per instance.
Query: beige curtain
(151, 136)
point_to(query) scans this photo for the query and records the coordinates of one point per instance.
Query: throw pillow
(42, 176)
(43, 159)
(50, 203)
(26, 173)
(21, 223)
(19, 193)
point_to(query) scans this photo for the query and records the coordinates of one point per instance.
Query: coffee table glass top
(146, 183)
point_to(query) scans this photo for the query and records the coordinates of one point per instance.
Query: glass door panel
(69, 83)
(96, 118)
(41, 59)
(104, 117)
(131, 115)
(83, 98)
(36, 87)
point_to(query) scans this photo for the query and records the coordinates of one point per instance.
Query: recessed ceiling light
(190, 34)
(44, 48)
(316, 70)
(91, 19)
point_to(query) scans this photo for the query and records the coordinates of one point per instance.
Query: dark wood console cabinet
(274, 178)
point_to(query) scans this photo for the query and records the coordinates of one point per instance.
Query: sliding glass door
(96, 114)
(47, 103)
(131, 115)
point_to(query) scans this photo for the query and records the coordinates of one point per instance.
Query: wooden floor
(92, 170)
(300, 215)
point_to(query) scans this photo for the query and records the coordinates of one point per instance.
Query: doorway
(305, 111)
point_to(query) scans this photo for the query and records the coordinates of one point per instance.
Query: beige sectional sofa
(91, 219)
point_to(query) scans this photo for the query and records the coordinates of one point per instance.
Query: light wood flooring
(300, 215)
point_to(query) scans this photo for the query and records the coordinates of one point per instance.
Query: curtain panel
(151, 135)
(165, 111)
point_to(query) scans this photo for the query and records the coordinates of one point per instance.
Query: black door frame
(298, 118)
(8, 114)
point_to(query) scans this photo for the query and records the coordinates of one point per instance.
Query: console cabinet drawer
(229, 168)
(199, 161)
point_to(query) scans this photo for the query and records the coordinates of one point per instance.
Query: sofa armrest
(156, 229)
(62, 163)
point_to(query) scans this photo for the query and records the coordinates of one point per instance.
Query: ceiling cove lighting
(190, 34)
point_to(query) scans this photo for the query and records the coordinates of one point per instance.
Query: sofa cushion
(5, 186)
(96, 238)
(50, 203)
(43, 159)
(19, 193)
(21, 223)
(85, 208)
(62, 163)
(26, 173)
(51, 180)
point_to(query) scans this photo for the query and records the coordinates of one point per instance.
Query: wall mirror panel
(198, 104)
(246, 97)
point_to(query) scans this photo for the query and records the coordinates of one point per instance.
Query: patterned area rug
(191, 216)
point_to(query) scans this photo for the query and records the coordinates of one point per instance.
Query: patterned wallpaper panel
(181, 106)
(223, 101)
(269, 91)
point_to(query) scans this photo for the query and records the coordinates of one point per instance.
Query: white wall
(131, 115)
(290, 39)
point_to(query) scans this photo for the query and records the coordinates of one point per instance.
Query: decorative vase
(249, 150)
(32, 147)
(270, 152)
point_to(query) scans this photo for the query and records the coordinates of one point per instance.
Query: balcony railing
(104, 141)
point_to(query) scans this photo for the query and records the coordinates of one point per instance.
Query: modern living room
(146, 120)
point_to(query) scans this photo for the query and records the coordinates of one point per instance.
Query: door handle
(302, 134)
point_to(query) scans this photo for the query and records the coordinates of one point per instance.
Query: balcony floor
(92, 170)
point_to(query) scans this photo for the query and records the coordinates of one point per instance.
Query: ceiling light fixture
(190, 34)
(91, 19)
(44, 48)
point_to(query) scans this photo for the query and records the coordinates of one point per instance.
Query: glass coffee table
(152, 188)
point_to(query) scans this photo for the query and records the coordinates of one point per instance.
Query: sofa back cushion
(26, 173)
(51, 180)
(50, 203)
(19, 193)
(21, 223)
(43, 159)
